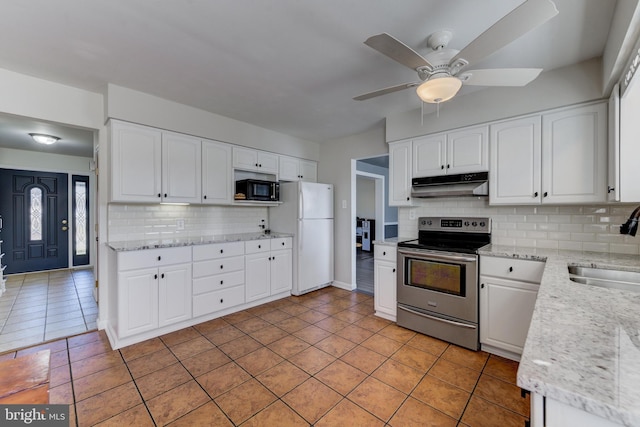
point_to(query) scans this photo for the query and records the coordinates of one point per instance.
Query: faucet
(631, 226)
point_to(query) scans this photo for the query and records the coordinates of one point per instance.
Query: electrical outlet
(180, 224)
(412, 214)
(262, 223)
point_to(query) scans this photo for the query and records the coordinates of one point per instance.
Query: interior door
(34, 206)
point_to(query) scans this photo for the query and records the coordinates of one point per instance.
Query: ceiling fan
(442, 71)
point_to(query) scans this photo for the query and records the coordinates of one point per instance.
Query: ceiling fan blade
(521, 20)
(500, 76)
(385, 91)
(396, 50)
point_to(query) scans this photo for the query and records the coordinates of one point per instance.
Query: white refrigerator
(307, 213)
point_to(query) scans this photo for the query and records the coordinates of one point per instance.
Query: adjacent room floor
(39, 307)
(321, 359)
(364, 271)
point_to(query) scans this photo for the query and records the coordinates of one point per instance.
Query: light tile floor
(39, 307)
(321, 359)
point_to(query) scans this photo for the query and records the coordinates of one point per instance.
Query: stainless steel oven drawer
(454, 331)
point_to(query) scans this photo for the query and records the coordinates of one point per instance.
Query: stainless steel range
(438, 278)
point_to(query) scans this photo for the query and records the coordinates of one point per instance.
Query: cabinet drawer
(202, 285)
(384, 253)
(217, 300)
(153, 258)
(217, 266)
(513, 269)
(217, 250)
(257, 246)
(281, 243)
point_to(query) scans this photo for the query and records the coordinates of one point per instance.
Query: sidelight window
(81, 220)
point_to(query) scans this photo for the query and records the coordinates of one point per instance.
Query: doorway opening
(373, 219)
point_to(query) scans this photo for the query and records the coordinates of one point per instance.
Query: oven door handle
(439, 255)
(438, 319)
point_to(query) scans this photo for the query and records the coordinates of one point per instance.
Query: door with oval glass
(35, 209)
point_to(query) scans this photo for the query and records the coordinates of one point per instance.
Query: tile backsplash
(160, 222)
(589, 227)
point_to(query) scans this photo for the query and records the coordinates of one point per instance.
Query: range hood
(468, 184)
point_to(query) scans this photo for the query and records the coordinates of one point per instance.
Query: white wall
(138, 107)
(365, 197)
(32, 160)
(335, 168)
(564, 86)
(623, 33)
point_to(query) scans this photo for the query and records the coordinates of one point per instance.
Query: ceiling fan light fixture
(439, 89)
(45, 139)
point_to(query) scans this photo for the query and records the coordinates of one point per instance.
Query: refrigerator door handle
(300, 234)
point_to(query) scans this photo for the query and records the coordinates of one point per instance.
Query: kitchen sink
(605, 278)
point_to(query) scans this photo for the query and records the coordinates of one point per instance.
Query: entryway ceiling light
(45, 139)
(439, 89)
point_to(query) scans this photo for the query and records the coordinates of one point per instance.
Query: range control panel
(455, 224)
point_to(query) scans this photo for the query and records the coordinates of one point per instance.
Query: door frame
(92, 209)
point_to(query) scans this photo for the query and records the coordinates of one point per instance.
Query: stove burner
(462, 235)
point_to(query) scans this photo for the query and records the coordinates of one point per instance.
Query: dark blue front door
(34, 208)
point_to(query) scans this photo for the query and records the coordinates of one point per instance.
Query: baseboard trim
(346, 286)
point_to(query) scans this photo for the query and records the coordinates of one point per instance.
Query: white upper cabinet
(151, 166)
(181, 168)
(255, 160)
(294, 169)
(460, 151)
(217, 185)
(574, 155)
(136, 166)
(559, 157)
(514, 177)
(400, 173)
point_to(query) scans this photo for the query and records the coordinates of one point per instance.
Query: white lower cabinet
(384, 279)
(218, 277)
(508, 292)
(154, 289)
(268, 265)
(546, 412)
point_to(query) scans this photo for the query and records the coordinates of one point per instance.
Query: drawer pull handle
(221, 251)
(221, 266)
(510, 269)
(282, 243)
(384, 253)
(221, 282)
(159, 257)
(259, 246)
(221, 300)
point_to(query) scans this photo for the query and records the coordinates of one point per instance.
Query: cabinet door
(429, 155)
(384, 279)
(288, 169)
(281, 272)
(174, 294)
(136, 166)
(514, 175)
(245, 158)
(400, 173)
(308, 171)
(216, 173)
(267, 162)
(181, 168)
(574, 155)
(506, 308)
(137, 301)
(613, 166)
(257, 276)
(468, 150)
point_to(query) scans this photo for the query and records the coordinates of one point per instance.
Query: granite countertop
(583, 344)
(392, 241)
(137, 245)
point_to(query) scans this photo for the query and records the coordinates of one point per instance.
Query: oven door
(439, 282)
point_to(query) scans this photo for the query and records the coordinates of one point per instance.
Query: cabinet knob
(155, 276)
(159, 195)
(482, 285)
(205, 196)
(408, 199)
(165, 194)
(545, 194)
(221, 300)
(221, 251)
(535, 194)
(510, 269)
(159, 258)
(221, 282)
(260, 165)
(610, 189)
(282, 243)
(441, 166)
(221, 266)
(448, 166)
(384, 253)
(256, 165)
(162, 276)
(259, 246)
(394, 270)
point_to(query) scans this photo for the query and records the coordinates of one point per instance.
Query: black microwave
(255, 189)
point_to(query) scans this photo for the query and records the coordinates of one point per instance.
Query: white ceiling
(288, 65)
